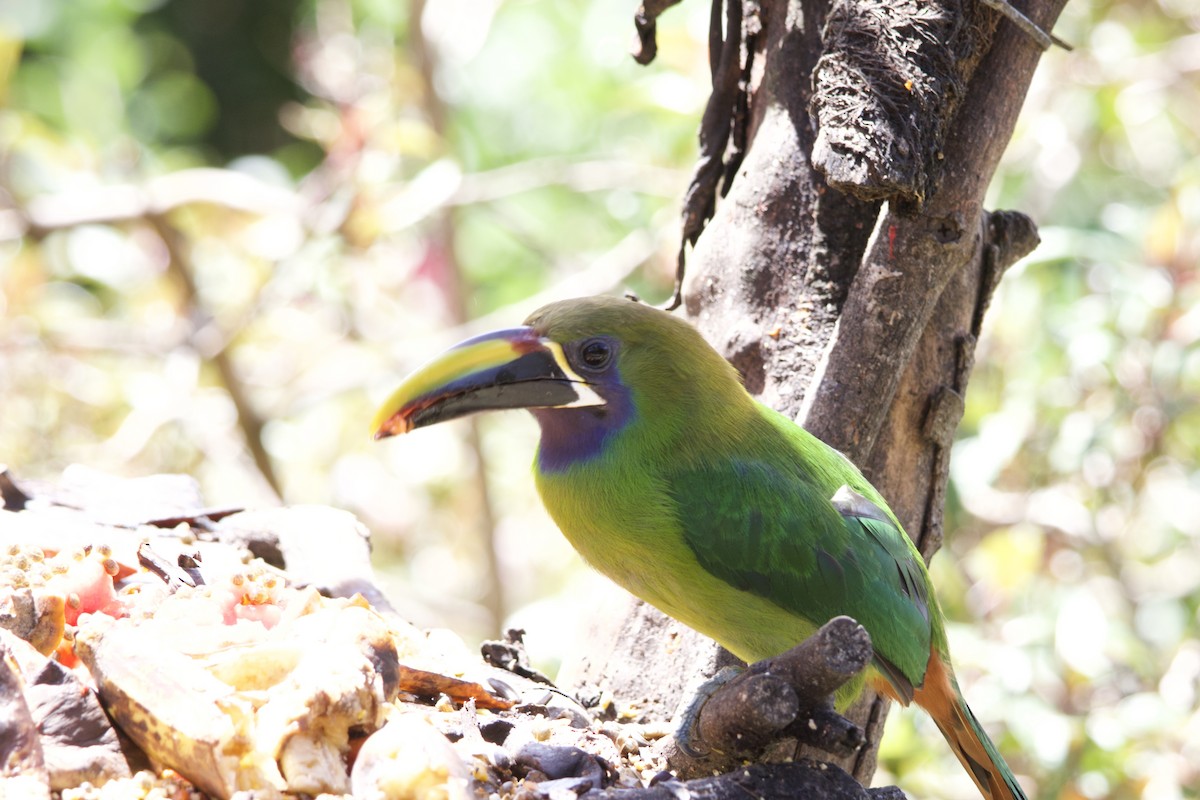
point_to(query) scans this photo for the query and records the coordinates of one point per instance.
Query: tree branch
(788, 697)
(248, 418)
(914, 253)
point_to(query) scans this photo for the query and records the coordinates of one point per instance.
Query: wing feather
(778, 536)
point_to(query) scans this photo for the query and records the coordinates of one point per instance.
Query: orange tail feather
(941, 697)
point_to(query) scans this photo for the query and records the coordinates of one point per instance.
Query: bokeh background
(227, 228)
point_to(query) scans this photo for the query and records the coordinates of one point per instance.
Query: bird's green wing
(777, 536)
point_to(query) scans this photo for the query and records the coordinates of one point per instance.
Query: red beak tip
(393, 426)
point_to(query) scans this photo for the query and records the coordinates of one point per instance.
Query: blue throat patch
(574, 435)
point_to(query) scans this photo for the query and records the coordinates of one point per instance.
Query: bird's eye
(595, 354)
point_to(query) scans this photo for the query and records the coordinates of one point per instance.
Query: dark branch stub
(645, 20)
(788, 697)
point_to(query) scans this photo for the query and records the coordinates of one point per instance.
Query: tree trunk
(847, 267)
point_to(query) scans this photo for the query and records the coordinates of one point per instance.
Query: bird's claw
(685, 738)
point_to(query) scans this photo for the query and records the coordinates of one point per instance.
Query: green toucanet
(668, 477)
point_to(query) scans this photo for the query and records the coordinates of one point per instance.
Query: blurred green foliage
(238, 222)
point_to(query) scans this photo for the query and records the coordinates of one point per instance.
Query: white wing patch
(850, 503)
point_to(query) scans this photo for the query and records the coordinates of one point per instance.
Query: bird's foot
(686, 737)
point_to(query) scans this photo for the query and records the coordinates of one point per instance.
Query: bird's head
(586, 368)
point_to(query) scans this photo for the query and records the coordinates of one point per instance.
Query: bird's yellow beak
(513, 368)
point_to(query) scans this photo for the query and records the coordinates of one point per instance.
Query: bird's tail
(940, 696)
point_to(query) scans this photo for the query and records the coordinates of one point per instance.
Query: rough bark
(785, 698)
(854, 309)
